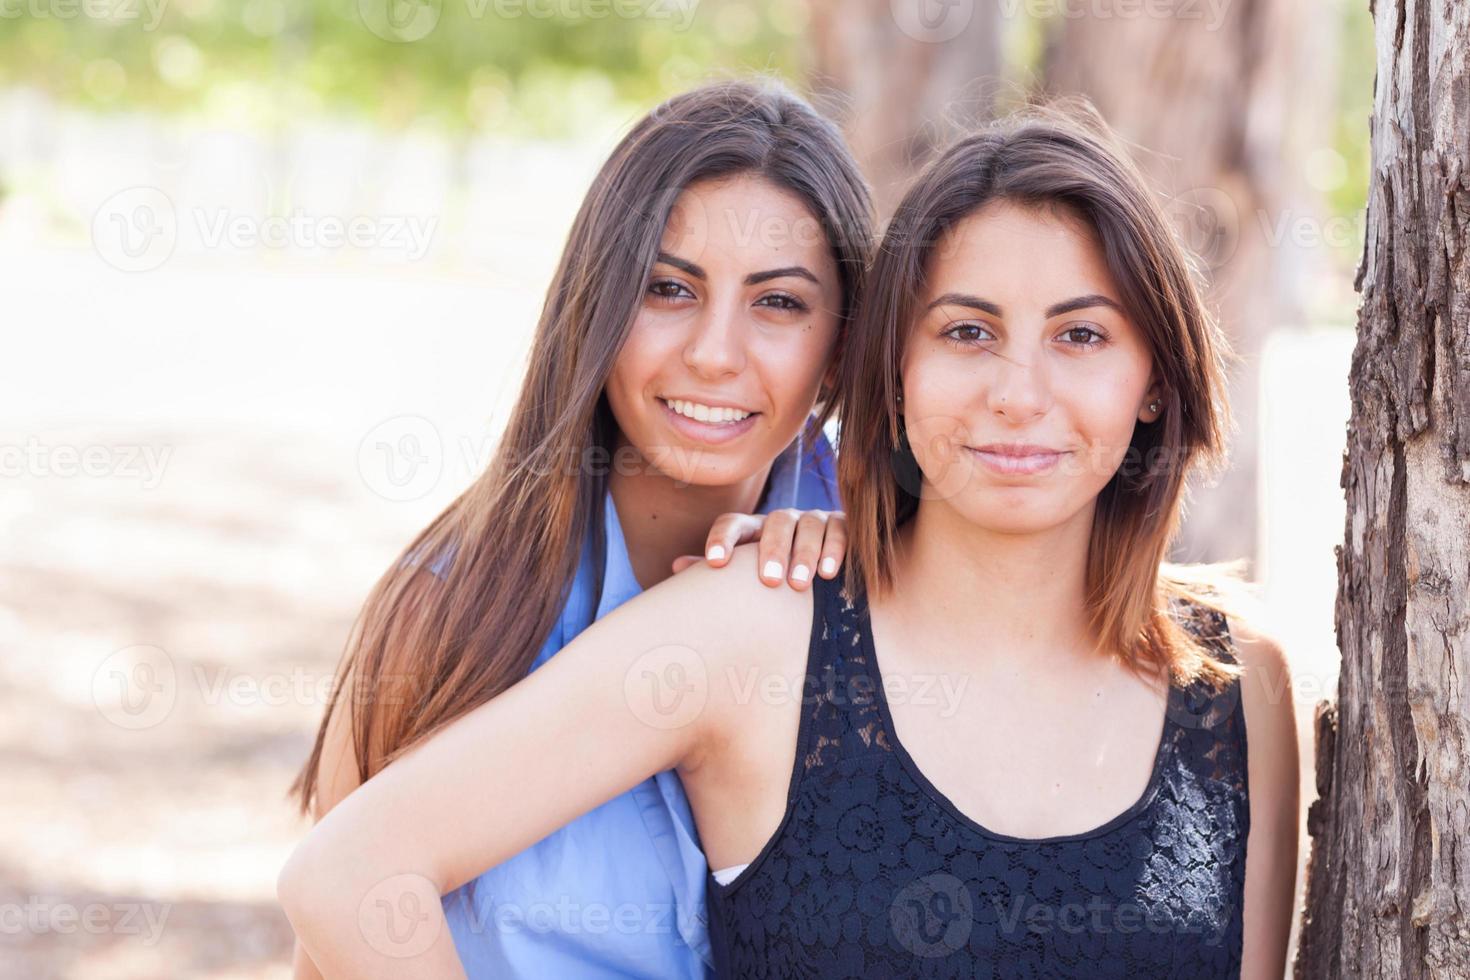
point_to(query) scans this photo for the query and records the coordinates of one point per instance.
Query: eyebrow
(754, 279)
(1057, 309)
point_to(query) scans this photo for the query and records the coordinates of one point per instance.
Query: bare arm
(1271, 851)
(336, 777)
(628, 698)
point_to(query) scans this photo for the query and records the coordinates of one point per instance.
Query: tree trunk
(1388, 888)
(1216, 101)
(906, 76)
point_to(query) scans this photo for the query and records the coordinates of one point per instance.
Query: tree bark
(1388, 882)
(1215, 99)
(906, 76)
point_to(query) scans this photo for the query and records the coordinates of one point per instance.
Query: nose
(715, 347)
(1019, 390)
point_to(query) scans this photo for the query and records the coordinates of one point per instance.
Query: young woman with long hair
(689, 332)
(1009, 739)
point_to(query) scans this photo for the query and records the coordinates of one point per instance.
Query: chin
(1014, 513)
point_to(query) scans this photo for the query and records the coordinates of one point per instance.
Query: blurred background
(269, 275)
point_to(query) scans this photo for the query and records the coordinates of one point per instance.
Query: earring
(1153, 406)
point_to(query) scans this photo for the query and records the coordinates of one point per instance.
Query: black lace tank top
(873, 872)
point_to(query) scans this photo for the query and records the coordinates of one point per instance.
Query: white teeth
(705, 413)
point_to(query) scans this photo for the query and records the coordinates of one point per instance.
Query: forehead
(747, 221)
(1010, 248)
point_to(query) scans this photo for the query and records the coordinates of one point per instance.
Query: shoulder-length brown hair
(423, 652)
(1064, 157)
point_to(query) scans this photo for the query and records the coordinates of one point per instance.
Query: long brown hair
(1060, 156)
(423, 652)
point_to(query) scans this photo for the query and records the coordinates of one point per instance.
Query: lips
(710, 433)
(1017, 449)
(1017, 459)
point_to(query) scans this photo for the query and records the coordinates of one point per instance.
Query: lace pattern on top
(874, 873)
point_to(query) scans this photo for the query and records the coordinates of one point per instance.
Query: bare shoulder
(759, 624)
(1266, 687)
(1267, 697)
(1258, 650)
(756, 640)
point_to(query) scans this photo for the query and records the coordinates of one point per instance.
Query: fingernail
(716, 553)
(829, 565)
(801, 573)
(772, 569)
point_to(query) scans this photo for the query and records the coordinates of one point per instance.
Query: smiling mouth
(707, 414)
(1008, 462)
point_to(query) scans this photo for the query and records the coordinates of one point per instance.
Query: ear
(1155, 392)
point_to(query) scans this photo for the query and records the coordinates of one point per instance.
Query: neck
(663, 518)
(1024, 593)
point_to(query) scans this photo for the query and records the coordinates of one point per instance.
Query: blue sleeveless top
(620, 891)
(873, 872)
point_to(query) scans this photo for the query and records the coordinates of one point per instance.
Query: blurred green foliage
(538, 67)
(545, 68)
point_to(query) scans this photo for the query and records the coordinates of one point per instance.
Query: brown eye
(782, 301)
(668, 289)
(1079, 334)
(965, 333)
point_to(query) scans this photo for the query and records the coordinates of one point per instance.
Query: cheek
(792, 361)
(937, 392)
(636, 367)
(1104, 408)
(1104, 405)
